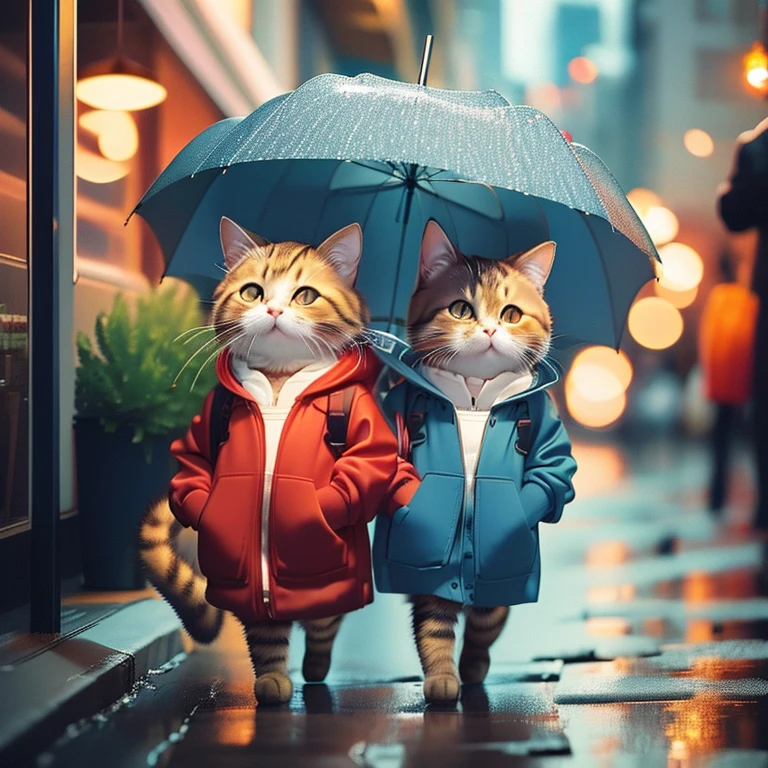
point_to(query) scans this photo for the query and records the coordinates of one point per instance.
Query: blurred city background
(659, 90)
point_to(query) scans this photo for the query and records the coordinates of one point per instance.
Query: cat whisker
(215, 339)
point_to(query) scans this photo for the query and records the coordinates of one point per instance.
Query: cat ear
(437, 253)
(535, 264)
(343, 250)
(237, 243)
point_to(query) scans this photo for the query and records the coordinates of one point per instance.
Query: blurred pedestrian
(743, 204)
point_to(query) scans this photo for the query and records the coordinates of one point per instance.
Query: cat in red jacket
(281, 514)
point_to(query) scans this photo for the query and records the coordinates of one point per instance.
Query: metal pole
(425, 56)
(43, 212)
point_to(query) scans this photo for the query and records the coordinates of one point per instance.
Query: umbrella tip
(425, 57)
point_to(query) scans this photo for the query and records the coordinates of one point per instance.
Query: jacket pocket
(506, 545)
(225, 530)
(421, 534)
(303, 544)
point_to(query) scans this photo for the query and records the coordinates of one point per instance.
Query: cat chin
(486, 366)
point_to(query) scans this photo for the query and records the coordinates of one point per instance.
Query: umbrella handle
(425, 57)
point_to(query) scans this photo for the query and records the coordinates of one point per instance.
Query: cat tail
(175, 578)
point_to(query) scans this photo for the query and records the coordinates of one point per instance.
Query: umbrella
(390, 156)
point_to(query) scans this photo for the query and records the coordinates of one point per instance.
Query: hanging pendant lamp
(119, 83)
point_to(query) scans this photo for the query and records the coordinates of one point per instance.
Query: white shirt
(472, 412)
(258, 385)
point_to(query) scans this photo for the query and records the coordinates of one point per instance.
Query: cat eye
(251, 292)
(305, 296)
(462, 310)
(511, 314)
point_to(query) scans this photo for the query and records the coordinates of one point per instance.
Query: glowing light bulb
(756, 67)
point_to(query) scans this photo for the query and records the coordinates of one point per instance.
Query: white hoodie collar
(259, 387)
(454, 386)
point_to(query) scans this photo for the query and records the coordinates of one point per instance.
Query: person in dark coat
(743, 204)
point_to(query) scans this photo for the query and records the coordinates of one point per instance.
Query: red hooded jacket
(315, 550)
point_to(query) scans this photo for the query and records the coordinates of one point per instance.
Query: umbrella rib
(607, 282)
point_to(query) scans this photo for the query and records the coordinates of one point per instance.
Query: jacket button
(492, 422)
(454, 585)
(468, 555)
(471, 597)
(470, 586)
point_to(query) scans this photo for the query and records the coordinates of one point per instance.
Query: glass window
(14, 360)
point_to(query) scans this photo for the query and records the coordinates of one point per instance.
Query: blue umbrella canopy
(391, 156)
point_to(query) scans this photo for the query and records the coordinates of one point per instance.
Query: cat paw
(474, 669)
(272, 689)
(316, 666)
(441, 689)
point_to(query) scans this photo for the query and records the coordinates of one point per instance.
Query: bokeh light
(582, 70)
(593, 413)
(678, 299)
(682, 267)
(661, 223)
(98, 169)
(642, 200)
(654, 323)
(616, 363)
(699, 143)
(116, 131)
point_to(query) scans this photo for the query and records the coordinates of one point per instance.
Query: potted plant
(130, 404)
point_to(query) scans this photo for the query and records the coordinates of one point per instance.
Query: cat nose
(490, 331)
(274, 311)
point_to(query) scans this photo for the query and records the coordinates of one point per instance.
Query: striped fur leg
(317, 657)
(434, 620)
(484, 625)
(268, 647)
(175, 579)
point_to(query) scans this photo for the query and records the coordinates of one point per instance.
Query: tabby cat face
(285, 303)
(478, 317)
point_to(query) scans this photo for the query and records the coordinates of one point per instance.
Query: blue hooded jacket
(476, 543)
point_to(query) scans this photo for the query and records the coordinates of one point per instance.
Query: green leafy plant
(126, 375)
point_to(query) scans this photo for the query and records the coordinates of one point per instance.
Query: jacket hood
(400, 357)
(356, 366)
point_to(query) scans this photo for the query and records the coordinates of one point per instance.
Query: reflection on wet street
(648, 647)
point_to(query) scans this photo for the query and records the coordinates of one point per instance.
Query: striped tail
(175, 579)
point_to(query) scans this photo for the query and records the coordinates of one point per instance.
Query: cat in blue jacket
(485, 456)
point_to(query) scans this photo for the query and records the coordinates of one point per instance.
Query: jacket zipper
(266, 509)
(264, 555)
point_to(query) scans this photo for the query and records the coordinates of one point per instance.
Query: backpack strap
(410, 431)
(524, 431)
(218, 421)
(337, 420)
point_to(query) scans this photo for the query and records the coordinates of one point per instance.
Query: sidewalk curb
(81, 675)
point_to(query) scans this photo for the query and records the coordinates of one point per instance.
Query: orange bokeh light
(601, 363)
(582, 70)
(699, 143)
(682, 267)
(642, 200)
(592, 413)
(678, 299)
(654, 323)
(661, 223)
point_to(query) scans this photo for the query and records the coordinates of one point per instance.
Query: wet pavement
(647, 647)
